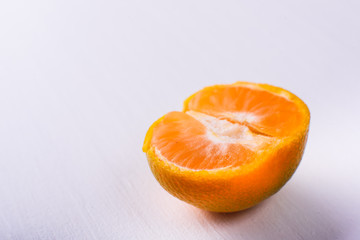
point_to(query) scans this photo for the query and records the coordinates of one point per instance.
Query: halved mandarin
(231, 147)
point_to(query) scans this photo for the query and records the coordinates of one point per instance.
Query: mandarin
(231, 147)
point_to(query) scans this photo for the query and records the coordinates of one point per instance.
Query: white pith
(241, 117)
(225, 132)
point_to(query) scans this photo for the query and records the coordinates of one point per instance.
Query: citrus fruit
(231, 147)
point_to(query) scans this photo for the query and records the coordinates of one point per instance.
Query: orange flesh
(224, 127)
(271, 114)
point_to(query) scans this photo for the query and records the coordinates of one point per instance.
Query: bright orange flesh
(269, 112)
(231, 147)
(183, 140)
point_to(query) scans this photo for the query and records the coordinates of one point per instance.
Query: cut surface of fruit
(240, 132)
(268, 109)
(199, 141)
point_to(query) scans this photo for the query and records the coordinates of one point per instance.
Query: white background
(81, 81)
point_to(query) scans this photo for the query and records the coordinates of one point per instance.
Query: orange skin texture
(238, 188)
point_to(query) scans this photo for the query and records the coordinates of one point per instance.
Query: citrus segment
(273, 112)
(198, 141)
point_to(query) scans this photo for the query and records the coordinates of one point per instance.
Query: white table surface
(81, 81)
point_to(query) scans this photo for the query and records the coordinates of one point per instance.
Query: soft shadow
(292, 213)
